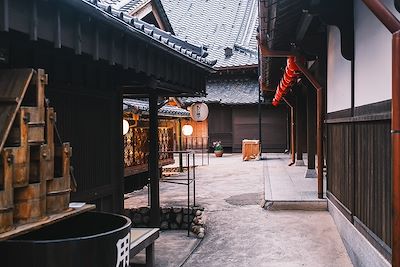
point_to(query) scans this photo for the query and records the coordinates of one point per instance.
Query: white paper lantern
(187, 130)
(125, 127)
(199, 111)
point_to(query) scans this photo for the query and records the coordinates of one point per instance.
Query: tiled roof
(194, 52)
(217, 24)
(132, 6)
(228, 92)
(143, 107)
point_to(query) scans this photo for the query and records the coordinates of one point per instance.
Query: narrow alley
(239, 232)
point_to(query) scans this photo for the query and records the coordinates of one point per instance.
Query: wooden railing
(136, 149)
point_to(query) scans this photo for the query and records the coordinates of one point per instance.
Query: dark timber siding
(232, 124)
(359, 175)
(340, 163)
(373, 177)
(274, 127)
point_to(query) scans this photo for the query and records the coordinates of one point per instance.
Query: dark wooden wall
(88, 102)
(232, 124)
(359, 174)
(220, 125)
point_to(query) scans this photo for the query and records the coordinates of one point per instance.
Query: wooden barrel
(6, 219)
(59, 188)
(6, 194)
(29, 203)
(36, 124)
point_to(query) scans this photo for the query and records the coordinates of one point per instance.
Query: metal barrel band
(395, 131)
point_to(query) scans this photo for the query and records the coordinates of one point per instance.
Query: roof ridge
(192, 51)
(248, 23)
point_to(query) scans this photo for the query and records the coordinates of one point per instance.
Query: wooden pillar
(300, 129)
(153, 162)
(180, 144)
(311, 133)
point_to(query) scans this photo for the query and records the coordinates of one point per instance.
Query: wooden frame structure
(95, 56)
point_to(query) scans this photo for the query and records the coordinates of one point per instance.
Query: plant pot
(218, 153)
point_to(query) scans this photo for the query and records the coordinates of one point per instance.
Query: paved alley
(241, 233)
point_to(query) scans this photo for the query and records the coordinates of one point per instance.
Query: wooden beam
(305, 22)
(320, 123)
(34, 22)
(300, 129)
(265, 52)
(158, 17)
(153, 162)
(311, 126)
(4, 13)
(57, 29)
(125, 53)
(111, 52)
(96, 48)
(78, 37)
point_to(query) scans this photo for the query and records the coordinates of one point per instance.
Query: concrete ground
(239, 232)
(167, 247)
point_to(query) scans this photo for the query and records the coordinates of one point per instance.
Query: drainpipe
(292, 129)
(320, 123)
(265, 52)
(393, 25)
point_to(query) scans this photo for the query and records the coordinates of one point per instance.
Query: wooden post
(153, 162)
(299, 128)
(396, 149)
(311, 127)
(180, 144)
(320, 123)
(292, 132)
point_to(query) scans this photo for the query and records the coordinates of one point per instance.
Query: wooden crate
(250, 149)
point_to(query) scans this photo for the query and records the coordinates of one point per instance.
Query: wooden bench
(143, 238)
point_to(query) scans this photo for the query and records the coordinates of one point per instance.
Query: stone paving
(239, 232)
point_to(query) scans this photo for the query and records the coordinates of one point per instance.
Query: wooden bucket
(18, 139)
(59, 188)
(36, 124)
(28, 203)
(6, 192)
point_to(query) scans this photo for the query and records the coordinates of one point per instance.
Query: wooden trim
(129, 171)
(93, 194)
(371, 112)
(374, 108)
(372, 117)
(346, 113)
(345, 211)
(375, 241)
(51, 219)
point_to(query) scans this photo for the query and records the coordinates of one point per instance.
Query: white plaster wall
(373, 56)
(339, 74)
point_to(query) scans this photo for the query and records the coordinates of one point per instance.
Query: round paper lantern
(199, 111)
(125, 127)
(187, 130)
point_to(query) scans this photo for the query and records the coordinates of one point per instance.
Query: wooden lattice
(136, 141)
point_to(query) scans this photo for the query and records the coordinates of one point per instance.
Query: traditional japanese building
(136, 140)
(336, 64)
(228, 29)
(95, 56)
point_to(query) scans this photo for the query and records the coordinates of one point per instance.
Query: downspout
(320, 118)
(393, 25)
(292, 129)
(320, 123)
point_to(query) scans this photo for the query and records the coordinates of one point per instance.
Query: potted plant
(218, 149)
